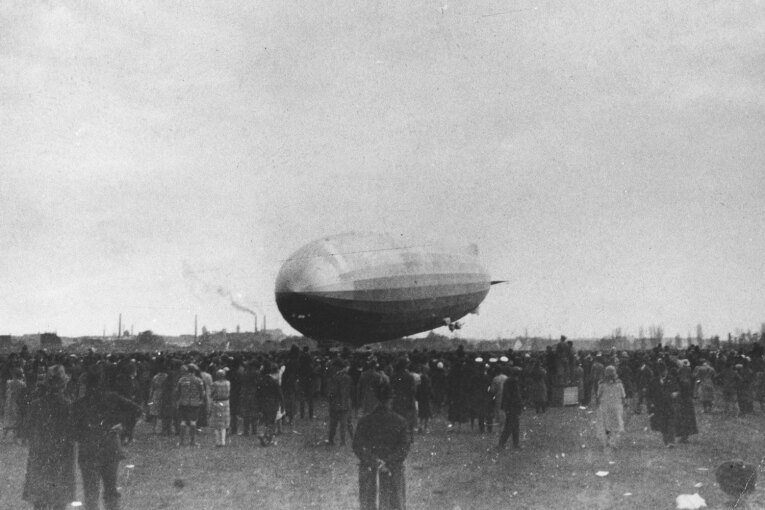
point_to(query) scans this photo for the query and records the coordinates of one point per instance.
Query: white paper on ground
(690, 502)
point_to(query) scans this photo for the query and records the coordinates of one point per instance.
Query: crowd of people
(58, 402)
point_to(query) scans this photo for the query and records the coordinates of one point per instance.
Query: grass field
(556, 468)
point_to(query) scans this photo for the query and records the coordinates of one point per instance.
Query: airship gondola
(359, 288)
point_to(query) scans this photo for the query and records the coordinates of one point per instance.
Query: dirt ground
(556, 468)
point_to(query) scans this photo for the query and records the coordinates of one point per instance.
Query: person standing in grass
(424, 394)
(191, 398)
(220, 416)
(662, 393)
(381, 443)
(403, 385)
(705, 377)
(270, 399)
(538, 387)
(610, 401)
(512, 405)
(97, 420)
(686, 413)
(50, 480)
(339, 395)
(15, 388)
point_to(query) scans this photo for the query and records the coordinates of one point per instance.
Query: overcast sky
(160, 159)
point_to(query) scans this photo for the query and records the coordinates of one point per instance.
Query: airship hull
(362, 288)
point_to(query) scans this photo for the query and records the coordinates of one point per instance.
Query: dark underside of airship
(358, 322)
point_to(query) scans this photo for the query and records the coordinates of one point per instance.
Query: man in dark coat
(381, 443)
(50, 482)
(268, 395)
(512, 405)
(339, 395)
(403, 384)
(662, 393)
(305, 377)
(369, 380)
(97, 419)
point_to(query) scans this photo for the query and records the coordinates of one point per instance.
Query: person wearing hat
(50, 480)
(512, 405)
(381, 443)
(97, 419)
(339, 398)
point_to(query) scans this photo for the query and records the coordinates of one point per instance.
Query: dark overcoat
(50, 478)
(661, 404)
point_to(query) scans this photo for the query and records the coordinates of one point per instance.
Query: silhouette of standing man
(381, 443)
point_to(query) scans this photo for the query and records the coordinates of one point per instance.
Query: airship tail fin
(495, 282)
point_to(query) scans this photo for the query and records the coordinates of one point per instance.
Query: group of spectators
(94, 400)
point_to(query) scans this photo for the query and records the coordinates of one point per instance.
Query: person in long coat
(424, 395)
(168, 412)
(705, 375)
(220, 412)
(155, 396)
(126, 386)
(538, 388)
(50, 477)
(248, 400)
(512, 405)
(370, 379)
(744, 396)
(97, 419)
(686, 413)
(15, 388)
(339, 389)
(270, 399)
(404, 402)
(610, 401)
(381, 443)
(662, 391)
(456, 394)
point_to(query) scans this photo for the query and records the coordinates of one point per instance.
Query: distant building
(5, 342)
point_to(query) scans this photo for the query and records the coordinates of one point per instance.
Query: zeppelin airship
(359, 288)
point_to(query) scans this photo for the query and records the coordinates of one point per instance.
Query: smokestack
(119, 328)
(195, 326)
(264, 323)
(255, 318)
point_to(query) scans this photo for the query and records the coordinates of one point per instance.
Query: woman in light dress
(610, 401)
(220, 413)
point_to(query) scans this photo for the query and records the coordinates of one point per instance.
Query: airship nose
(306, 276)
